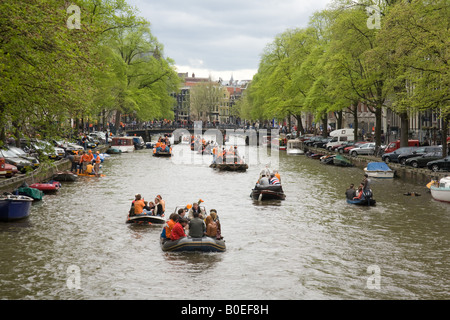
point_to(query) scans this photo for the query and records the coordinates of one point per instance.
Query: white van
(339, 136)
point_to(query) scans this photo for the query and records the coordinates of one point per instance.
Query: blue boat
(379, 170)
(14, 207)
(362, 202)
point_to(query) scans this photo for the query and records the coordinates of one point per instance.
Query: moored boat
(51, 186)
(440, 191)
(33, 193)
(379, 170)
(294, 147)
(204, 244)
(65, 176)
(14, 207)
(341, 161)
(124, 144)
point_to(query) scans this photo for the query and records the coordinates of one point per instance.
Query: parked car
(311, 140)
(12, 158)
(417, 152)
(346, 149)
(68, 147)
(393, 156)
(7, 170)
(343, 145)
(421, 161)
(22, 154)
(366, 149)
(42, 148)
(321, 143)
(441, 164)
(396, 145)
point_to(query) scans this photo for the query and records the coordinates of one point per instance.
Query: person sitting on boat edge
(213, 215)
(197, 227)
(274, 180)
(158, 210)
(350, 193)
(178, 229)
(211, 227)
(167, 230)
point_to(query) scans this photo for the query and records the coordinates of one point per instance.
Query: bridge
(250, 134)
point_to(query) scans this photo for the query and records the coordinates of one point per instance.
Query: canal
(313, 245)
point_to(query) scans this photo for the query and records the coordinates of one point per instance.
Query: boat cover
(378, 166)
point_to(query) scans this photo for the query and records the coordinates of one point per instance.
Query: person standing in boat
(366, 186)
(97, 161)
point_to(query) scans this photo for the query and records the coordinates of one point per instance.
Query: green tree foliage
(51, 74)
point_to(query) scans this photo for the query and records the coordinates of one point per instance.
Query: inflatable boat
(268, 193)
(205, 244)
(51, 186)
(362, 202)
(229, 166)
(145, 219)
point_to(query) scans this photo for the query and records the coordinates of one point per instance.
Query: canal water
(313, 245)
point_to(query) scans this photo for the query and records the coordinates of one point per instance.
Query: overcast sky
(222, 38)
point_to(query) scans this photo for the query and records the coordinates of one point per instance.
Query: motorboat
(124, 144)
(328, 159)
(294, 147)
(51, 186)
(33, 193)
(229, 166)
(342, 161)
(362, 202)
(146, 219)
(204, 244)
(271, 192)
(65, 176)
(440, 191)
(379, 170)
(14, 207)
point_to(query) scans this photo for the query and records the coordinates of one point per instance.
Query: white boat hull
(440, 194)
(380, 174)
(295, 151)
(125, 148)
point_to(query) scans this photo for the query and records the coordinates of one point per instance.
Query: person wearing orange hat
(97, 160)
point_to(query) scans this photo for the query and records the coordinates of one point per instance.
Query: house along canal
(313, 245)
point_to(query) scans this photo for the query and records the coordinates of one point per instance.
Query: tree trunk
(378, 114)
(444, 136)
(325, 126)
(355, 121)
(404, 130)
(339, 119)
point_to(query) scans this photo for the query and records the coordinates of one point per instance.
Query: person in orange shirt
(174, 217)
(138, 204)
(91, 156)
(98, 160)
(84, 160)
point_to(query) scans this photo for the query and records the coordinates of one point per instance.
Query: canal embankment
(42, 174)
(414, 175)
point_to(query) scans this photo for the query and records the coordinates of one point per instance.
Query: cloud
(222, 36)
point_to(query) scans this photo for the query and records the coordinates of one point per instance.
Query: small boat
(294, 147)
(65, 176)
(51, 186)
(441, 191)
(362, 202)
(165, 154)
(379, 170)
(272, 192)
(146, 219)
(205, 244)
(124, 144)
(14, 207)
(329, 159)
(229, 166)
(341, 161)
(90, 175)
(33, 193)
(113, 151)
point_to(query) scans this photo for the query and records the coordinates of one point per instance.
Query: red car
(7, 170)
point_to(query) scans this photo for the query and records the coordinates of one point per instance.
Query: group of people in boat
(194, 222)
(163, 144)
(154, 208)
(364, 191)
(268, 178)
(201, 145)
(230, 155)
(86, 162)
